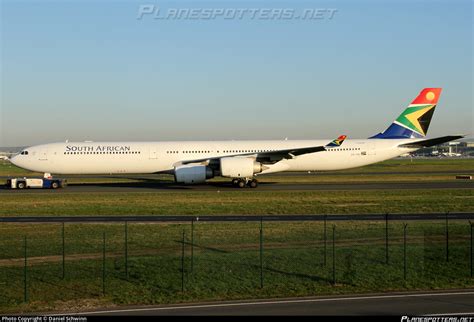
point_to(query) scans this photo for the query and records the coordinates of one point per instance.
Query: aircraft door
(371, 149)
(43, 155)
(153, 153)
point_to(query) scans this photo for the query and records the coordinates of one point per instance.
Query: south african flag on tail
(415, 120)
(337, 142)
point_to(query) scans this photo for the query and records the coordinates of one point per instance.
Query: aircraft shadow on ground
(160, 185)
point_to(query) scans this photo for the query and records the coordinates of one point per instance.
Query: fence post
(182, 263)
(471, 224)
(405, 251)
(103, 264)
(447, 238)
(386, 238)
(192, 245)
(334, 254)
(261, 252)
(325, 239)
(25, 273)
(126, 250)
(64, 252)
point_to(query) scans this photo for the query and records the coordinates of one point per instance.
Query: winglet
(338, 141)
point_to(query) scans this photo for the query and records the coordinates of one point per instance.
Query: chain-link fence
(145, 263)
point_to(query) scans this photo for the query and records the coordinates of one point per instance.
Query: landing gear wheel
(235, 182)
(253, 183)
(241, 184)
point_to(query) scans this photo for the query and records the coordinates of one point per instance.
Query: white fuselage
(154, 157)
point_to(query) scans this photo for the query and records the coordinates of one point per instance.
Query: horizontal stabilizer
(431, 142)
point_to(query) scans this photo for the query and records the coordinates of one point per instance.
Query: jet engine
(239, 167)
(192, 173)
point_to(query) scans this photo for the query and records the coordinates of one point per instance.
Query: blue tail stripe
(396, 131)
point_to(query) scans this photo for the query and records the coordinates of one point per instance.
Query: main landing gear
(242, 183)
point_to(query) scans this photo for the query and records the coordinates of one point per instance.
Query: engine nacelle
(192, 173)
(239, 167)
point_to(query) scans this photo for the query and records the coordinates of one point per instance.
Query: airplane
(194, 162)
(451, 154)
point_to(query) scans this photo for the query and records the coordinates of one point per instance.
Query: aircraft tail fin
(415, 120)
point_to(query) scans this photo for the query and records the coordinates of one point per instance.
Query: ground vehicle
(23, 183)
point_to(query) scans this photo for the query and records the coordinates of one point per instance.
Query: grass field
(225, 263)
(236, 202)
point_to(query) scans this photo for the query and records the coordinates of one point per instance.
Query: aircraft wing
(431, 142)
(292, 153)
(276, 155)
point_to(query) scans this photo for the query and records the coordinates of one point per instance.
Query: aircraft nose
(14, 160)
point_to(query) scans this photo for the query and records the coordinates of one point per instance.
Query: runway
(436, 303)
(279, 174)
(237, 218)
(153, 186)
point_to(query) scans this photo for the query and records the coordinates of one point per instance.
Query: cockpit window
(24, 152)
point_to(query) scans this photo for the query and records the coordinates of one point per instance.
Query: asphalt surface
(279, 174)
(224, 186)
(438, 303)
(370, 173)
(236, 218)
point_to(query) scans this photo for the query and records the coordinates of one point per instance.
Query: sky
(120, 71)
